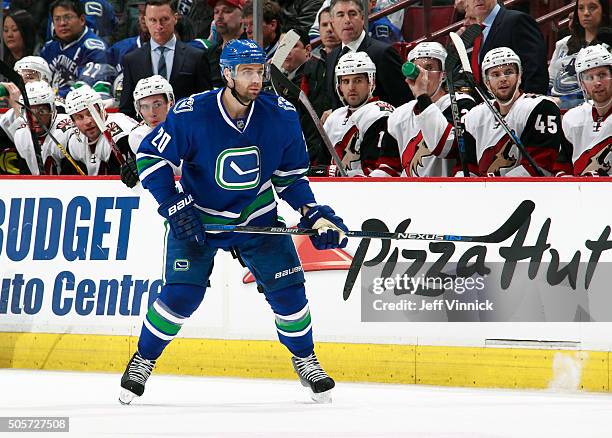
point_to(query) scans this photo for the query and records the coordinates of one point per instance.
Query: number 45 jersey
(535, 119)
(231, 167)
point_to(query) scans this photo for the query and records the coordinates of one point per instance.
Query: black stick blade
(512, 224)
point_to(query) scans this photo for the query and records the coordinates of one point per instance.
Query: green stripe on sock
(293, 326)
(162, 324)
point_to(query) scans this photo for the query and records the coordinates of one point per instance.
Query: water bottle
(410, 70)
(3, 91)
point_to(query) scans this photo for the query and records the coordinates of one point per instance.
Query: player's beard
(249, 93)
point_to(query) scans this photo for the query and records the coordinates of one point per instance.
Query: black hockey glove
(331, 228)
(129, 172)
(183, 218)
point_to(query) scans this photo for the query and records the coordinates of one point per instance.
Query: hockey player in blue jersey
(238, 145)
(76, 55)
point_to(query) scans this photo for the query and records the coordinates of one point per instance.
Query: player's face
(43, 117)
(355, 88)
(30, 75)
(154, 109)
(347, 20)
(67, 24)
(297, 56)
(12, 36)
(228, 19)
(249, 80)
(86, 124)
(434, 67)
(328, 35)
(598, 84)
(502, 81)
(160, 22)
(589, 14)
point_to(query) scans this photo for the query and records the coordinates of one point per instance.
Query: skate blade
(126, 397)
(321, 397)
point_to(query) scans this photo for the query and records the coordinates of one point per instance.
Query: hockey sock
(292, 317)
(166, 316)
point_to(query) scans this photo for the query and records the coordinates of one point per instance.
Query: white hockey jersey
(50, 152)
(357, 135)
(426, 139)
(9, 122)
(93, 154)
(535, 119)
(591, 137)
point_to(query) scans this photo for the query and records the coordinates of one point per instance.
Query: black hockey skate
(134, 378)
(313, 377)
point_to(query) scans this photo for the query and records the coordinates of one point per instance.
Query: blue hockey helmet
(238, 52)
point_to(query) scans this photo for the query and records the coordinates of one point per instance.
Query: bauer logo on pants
(238, 168)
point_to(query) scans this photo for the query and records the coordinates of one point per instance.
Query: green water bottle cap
(410, 70)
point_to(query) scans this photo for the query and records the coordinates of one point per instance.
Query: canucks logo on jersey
(238, 168)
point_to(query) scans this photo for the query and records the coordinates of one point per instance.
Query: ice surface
(180, 406)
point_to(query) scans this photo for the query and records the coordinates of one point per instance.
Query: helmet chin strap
(512, 98)
(235, 93)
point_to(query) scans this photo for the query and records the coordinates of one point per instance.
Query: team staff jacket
(535, 119)
(230, 167)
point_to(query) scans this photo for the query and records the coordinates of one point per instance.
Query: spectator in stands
(297, 57)
(228, 22)
(39, 9)
(76, 55)
(592, 16)
(117, 51)
(387, 29)
(100, 18)
(200, 15)
(271, 25)
(18, 36)
(299, 14)
(185, 67)
(329, 39)
(348, 22)
(518, 31)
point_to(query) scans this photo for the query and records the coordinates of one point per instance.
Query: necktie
(161, 65)
(344, 51)
(475, 53)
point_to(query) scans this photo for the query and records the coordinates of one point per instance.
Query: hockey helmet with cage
(500, 56)
(243, 51)
(428, 50)
(151, 86)
(591, 57)
(35, 63)
(353, 63)
(81, 98)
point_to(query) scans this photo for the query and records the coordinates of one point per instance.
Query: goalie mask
(354, 63)
(150, 87)
(36, 64)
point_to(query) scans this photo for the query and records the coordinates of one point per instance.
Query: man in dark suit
(185, 67)
(518, 31)
(348, 21)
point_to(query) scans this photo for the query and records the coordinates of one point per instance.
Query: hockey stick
(467, 68)
(507, 229)
(52, 137)
(284, 87)
(14, 77)
(468, 36)
(288, 42)
(104, 130)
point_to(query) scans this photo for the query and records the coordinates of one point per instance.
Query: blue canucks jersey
(83, 60)
(232, 168)
(117, 51)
